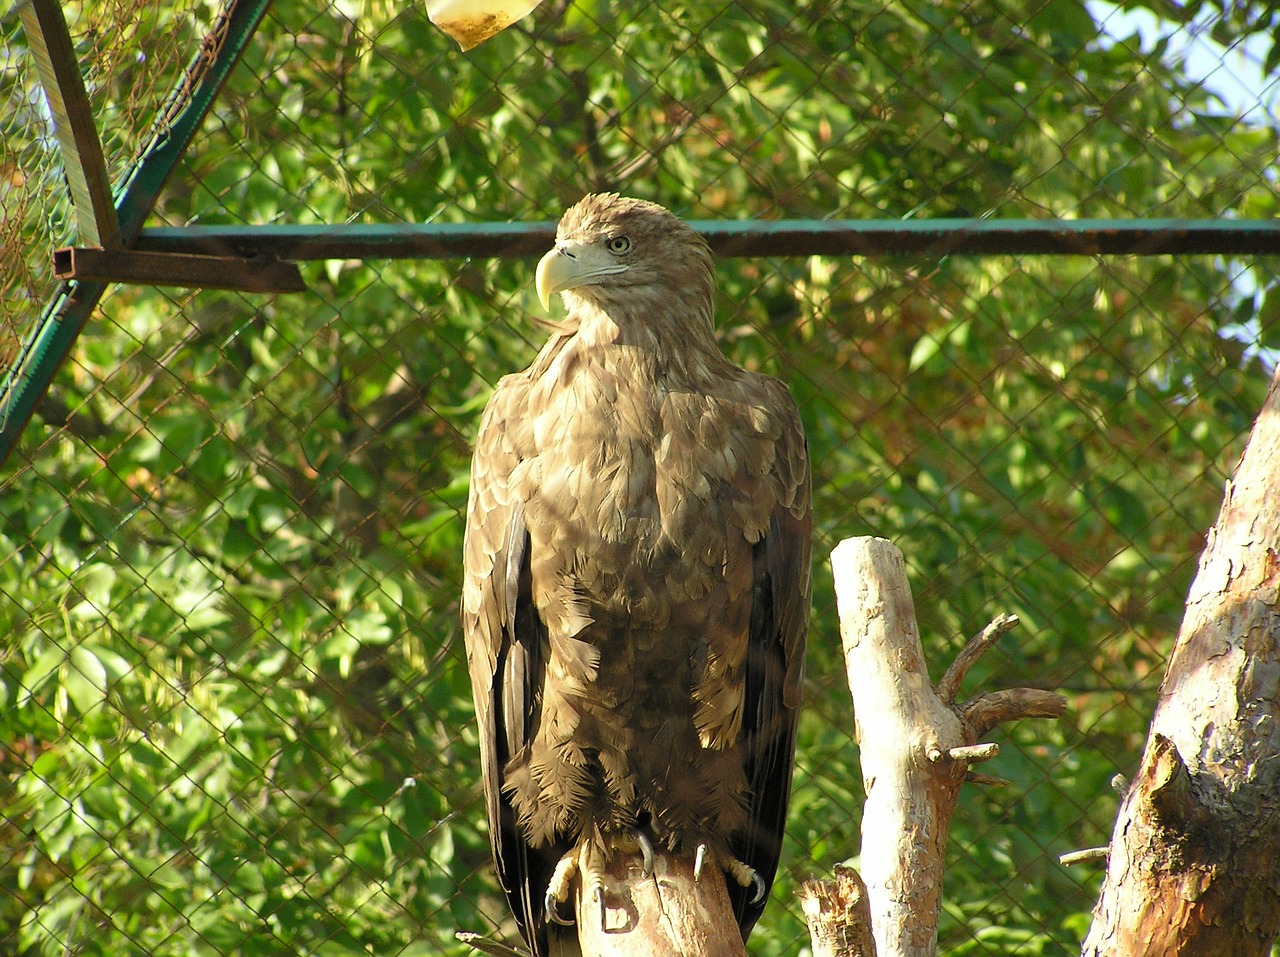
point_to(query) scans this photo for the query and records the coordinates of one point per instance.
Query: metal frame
(59, 325)
(117, 248)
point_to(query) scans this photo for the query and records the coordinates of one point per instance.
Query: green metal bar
(45, 350)
(82, 160)
(921, 237)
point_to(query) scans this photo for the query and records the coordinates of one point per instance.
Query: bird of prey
(636, 586)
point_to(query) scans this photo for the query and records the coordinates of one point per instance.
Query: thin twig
(989, 780)
(486, 946)
(949, 686)
(1011, 704)
(1084, 856)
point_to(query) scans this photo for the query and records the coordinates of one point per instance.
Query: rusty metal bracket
(260, 274)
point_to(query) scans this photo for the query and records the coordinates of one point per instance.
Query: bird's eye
(619, 245)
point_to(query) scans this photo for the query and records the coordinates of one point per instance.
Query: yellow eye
(618, 245)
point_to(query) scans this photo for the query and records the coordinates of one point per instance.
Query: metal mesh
(233, 689)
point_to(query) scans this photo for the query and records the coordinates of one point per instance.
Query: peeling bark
(1194, 867)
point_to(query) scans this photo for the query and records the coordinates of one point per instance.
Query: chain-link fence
(233, 698)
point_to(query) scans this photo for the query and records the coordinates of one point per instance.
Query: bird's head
(627, 254)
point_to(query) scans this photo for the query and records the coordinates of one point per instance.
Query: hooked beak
(570, 265)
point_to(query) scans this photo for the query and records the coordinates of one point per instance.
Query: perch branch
(663, 912)
(666, 913)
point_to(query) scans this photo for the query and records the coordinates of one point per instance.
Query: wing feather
(774, 672)
(506, 644)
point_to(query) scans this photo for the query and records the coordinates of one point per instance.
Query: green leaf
(925, 349)
(44, 665)
(85, 678)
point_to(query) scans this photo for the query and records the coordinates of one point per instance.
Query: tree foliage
(232, 680)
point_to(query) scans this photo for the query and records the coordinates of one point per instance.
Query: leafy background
(233, 701)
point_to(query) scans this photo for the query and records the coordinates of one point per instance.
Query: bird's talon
(646, 852)
(746, 876)
(553, 910)
(699, 862)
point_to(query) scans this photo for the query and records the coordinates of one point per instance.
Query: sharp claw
(743, 874)
(699, 862)
(598, 892)
(553, 910)
(646, 853)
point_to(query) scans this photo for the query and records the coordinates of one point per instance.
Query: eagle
(636, 579)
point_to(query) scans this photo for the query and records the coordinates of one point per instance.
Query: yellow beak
(556, 271)
(570, 265)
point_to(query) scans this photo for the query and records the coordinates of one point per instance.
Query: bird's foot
(587, 861)
(582, 861)
(743, 874)
(561, 884)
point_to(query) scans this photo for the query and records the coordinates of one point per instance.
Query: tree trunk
(1194, 865)
(899, 721)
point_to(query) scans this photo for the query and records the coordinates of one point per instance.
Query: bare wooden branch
(916, 745)
(838, 913)
(949, 686)
(974, 649)
(972, 753)
(1012, 704)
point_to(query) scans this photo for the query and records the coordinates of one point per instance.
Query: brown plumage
(637, 571)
